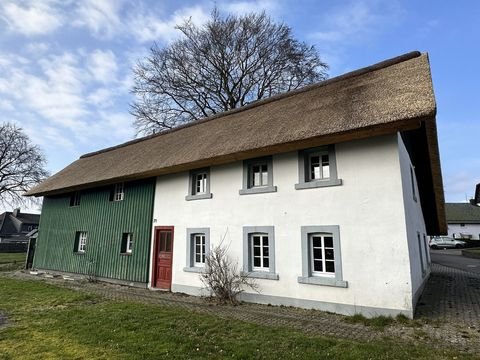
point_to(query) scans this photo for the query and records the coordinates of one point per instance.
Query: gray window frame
(190, 261)
(307, 276)
(247, 170)
(248, 231)
(191, 184)
(304, 181)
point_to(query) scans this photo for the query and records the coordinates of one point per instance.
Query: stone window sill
(261, 275)
(317, 280)
(198, 197)
(258, 190)
(194, 269)
(318, 184)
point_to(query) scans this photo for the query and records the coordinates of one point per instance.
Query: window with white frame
(198, 246)
(80, 242)
(199, 249)
(420, 253)
(259, 252)
(258, 176)
(321, 256)
(317, 167)
(199, 184)
(119, 192)
(127, 243)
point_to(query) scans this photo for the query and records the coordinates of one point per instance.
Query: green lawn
(48, 322)
(9, 258)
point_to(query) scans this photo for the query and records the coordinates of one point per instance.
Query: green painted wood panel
(104, 221)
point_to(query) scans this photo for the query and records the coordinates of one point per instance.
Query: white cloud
(31, 17)
(146, 27)
(247, 7)
(37, 48)
(356, 20)
(100, 17)
(103, 66)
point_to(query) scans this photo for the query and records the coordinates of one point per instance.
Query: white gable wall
(415, 224)
(368, 208)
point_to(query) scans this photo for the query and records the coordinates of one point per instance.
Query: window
(425, 242)
(80, 242)
(118, 192)
(321, 256)
(199, 249)
(259, 252)
(412, 179)
(75, 199)
(127, 243)
(317, 168)
(258, 176)
(198, 246)
(199, 185)
(420, 252)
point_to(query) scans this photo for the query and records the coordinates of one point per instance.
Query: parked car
(444, 242)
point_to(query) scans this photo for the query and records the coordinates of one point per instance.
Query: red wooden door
(162, 272)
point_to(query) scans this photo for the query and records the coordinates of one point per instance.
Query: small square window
(75, 199)
(199, 185)
(80, 242)
(317, 168)
(258, 176)
(118, 192)
(127, 243)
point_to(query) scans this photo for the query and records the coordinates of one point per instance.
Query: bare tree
(22, 165)
(227, 63)
(222, 277)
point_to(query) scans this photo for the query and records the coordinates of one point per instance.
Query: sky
(66, 66)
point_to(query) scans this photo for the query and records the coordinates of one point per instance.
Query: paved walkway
(451, 295)
(450, 304)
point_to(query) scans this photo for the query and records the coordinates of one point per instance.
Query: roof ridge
(348, 75)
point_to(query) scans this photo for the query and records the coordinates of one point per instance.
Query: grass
(11, 258)
(379, 322)
(48, 322)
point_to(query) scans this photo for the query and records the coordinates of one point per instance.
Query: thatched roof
(390, 96)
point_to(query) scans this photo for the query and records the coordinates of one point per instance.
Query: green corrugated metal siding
(104, 221)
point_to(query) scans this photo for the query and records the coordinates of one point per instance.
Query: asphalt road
(454, 258)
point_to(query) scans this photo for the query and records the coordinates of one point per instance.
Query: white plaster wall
(473, 229)
(415, 223)
(368, 207)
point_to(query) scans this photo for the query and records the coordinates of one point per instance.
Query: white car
(444, 242)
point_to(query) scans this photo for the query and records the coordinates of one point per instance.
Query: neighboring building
(15, 226)
(463, 220)
(325, 195)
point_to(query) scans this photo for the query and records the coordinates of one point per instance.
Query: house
(15, 226)
(325, 195)
(463, 220)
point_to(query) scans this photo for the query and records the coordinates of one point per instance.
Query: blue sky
(65, 66)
